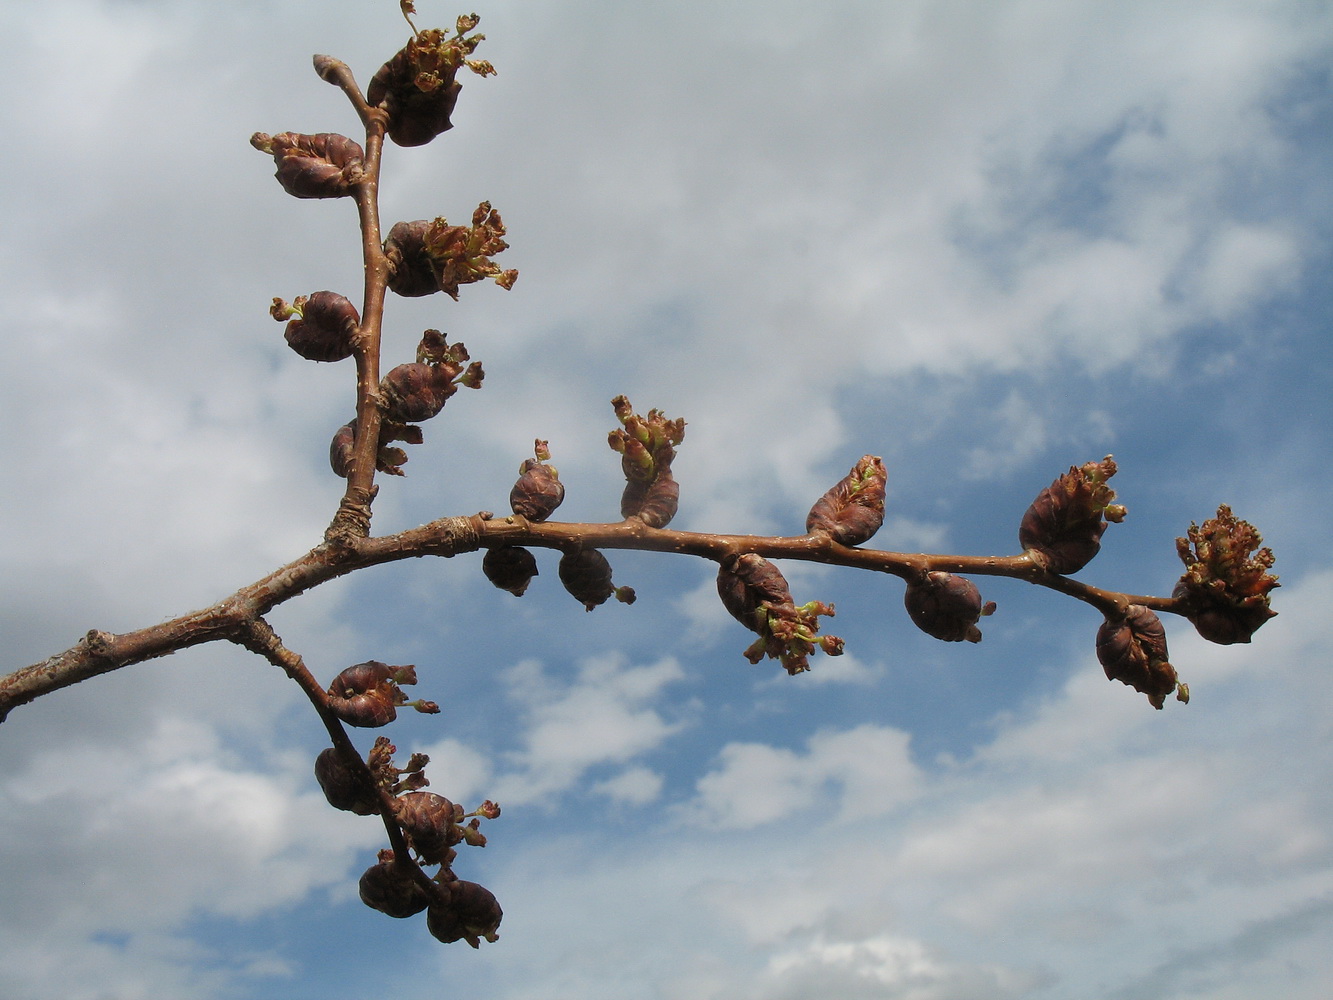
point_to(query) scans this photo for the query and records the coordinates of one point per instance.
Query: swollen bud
(417, 86)
(416, 392)
(852, 511)
(1225, 589)
(539, 490)
(1062, 529)
(586, 574)
(473, 913)
(313, 166)
(388, 459)
(946, 606)
(1132, 650)
(342, 786)
(367, 695)
(647, 447)
(509, 567)
(324, 327)
(391, 888)
(430, 822)
(756, 594)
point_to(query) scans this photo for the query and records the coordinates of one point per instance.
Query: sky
(985, 241)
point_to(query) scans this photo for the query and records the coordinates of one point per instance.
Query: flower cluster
(1225, 589)
(756, 594)
(433, 256)
(646, 446)
(417, 87)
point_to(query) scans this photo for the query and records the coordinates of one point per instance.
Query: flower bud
(324, 328)
(1132, 650)
(653, 503)
(509, 567)
(756, 594)
(343, 787)
(388, 459)
(747, 585)
(946, 606)
(586, 574)
(367, 695)
(853, 510)
(473, 913)
(1225, 589)
(313, 166)
(426, 257)
(412, 272)
(647, 447)
(417, 87)
(539, 490)
(416, 392)
(431, 824)
(392, 888)
(1062, 529)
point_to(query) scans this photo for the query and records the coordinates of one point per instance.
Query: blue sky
(985, 241)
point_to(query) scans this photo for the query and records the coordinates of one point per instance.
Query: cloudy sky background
(983, 240)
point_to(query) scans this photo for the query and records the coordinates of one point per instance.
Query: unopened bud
(367, 694)
(586, 574)
(510, 567)
(473, 914)
(1062, 529)
(343, 787)
(1132, 650)
(946, 606)
(853, 510)
(391, 888)
(325, 327)
(314, 166)
(539, 490)
(430, 822)
(416, 392)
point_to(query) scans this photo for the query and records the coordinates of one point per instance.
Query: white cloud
(603, 716)
(756, 784)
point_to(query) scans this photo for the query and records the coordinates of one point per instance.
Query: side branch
(232, 618)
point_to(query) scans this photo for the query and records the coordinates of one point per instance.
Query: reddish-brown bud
(1225, 590)
(1063, 527)
(852, 511)
(343, 787)
(426, 257)
(388, 459)
(1132, 650)
(411, 271)
(473, 914)
(416, 392)
(314, 166)
(509, 567)
(756, 594)
(946, 606)
(417, 87)
(749, 584)
(324, 328)
(646, 446)
(392, 888)
(431, 824)
(654, 503)
(539, 490)
(586, 574)
(367, 694)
